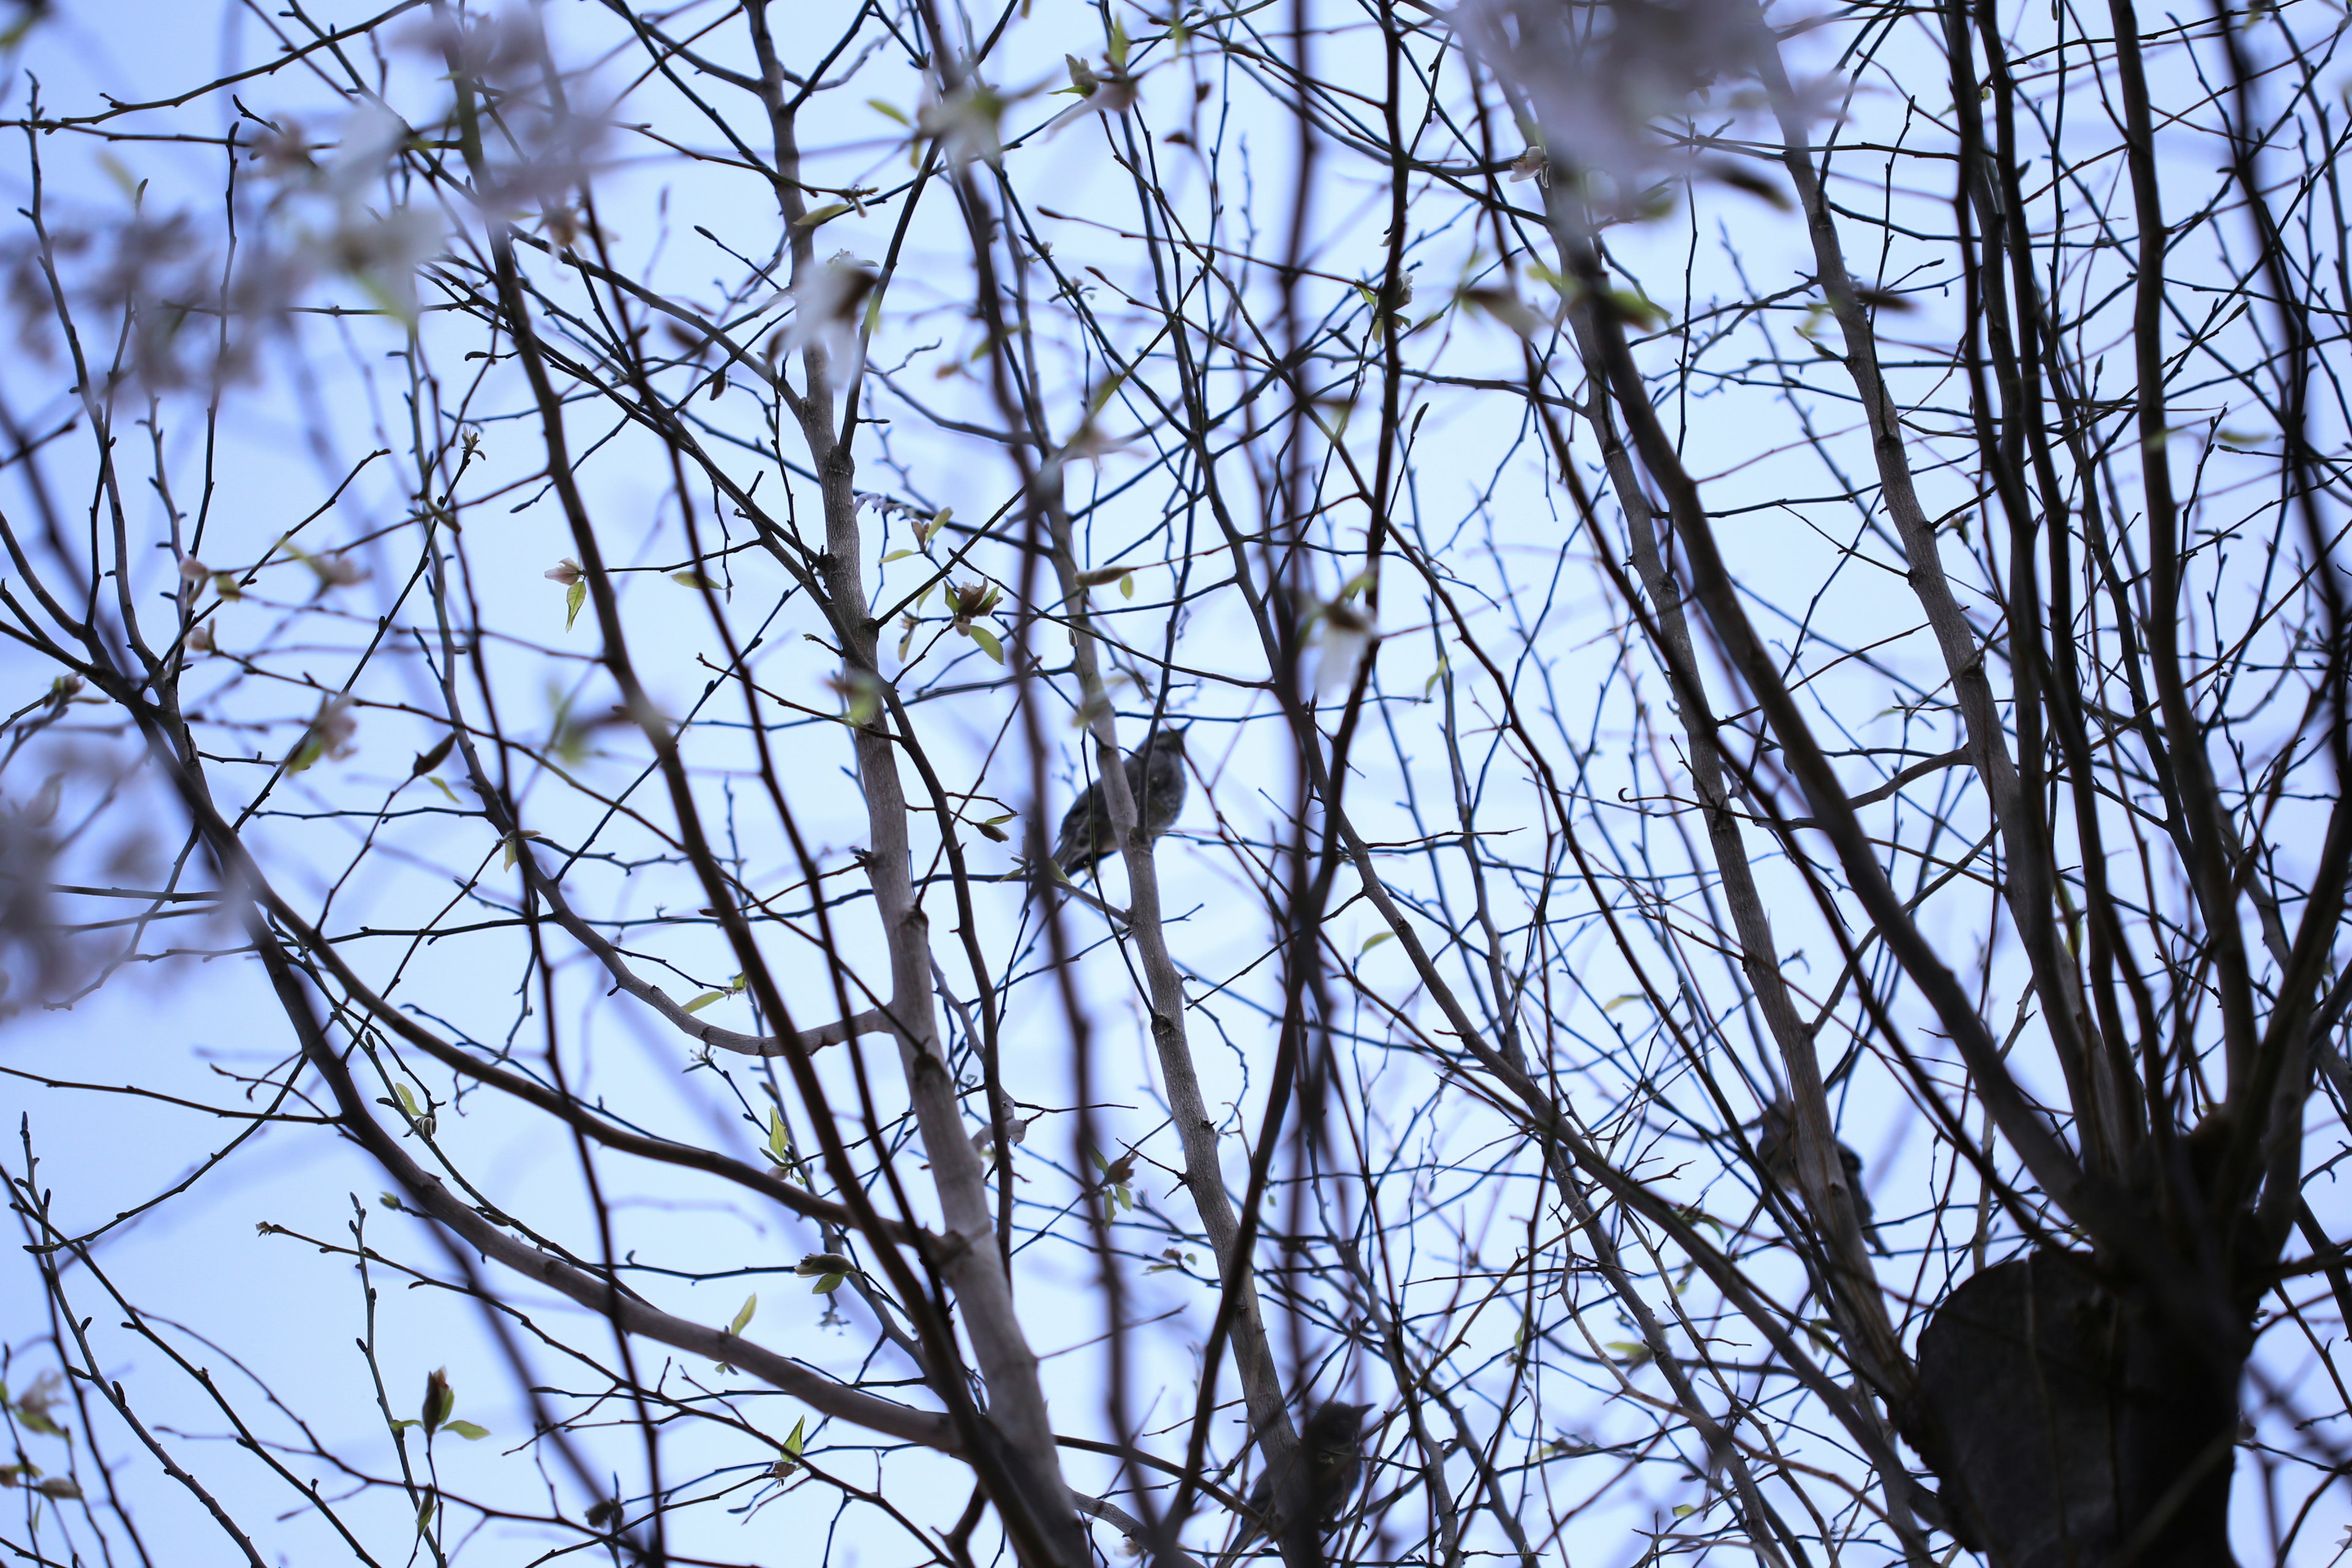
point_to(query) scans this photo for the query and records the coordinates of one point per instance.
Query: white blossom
(1343, 636)
(829, 308)
(969, 123)
(1598, 77)
(1098, 92)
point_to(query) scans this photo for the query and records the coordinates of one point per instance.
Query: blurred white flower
(283, 149)
(1599, 76)
(29, 934)
(383, 254)
(829, 308)
(328, 735)
(42, 809)
(371, 134)
(1098, 92)
(492, 49)
(336, 571)
(1343, 636)
(566, 572)
(969, 123)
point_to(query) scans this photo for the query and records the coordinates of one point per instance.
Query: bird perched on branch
(1155, 780)
(1776, 1146)
(1312, 1491)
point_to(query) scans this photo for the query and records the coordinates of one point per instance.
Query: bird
(1776, 1147)
(1155, 780)
(1313, 1488)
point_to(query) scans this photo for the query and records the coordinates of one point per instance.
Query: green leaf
(1632, 1354)
(799, 1436)
(898, 555)
(705, 1000)
(780, 1141)
(1127, 585)
(823, 215)
(574, 597)
(751, 1305)
(1683, 1511)
(828, 1285)
(407, 1100)
(1118, 50)
(1373, 941)
(988, 643)
(690, 579)
(402, 1425)
(888, 110)
(469, 1431)
(1636, 308)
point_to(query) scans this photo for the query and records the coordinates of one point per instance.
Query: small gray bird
(1315, 1489)
(1155, 779)
(1776, 1146)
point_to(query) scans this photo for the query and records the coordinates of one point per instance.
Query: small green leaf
(898, 555)
(1127, 585)
(888, 110)
(1373, 941)
(407, 1100)
(36, 1419)
(443, 788)
(402, 1425)
(1633, 1354)
(469, 1431)
(780, 1141)
(988, 643)
(574, 597)
(799, 1436)
(1683, 1511)
(751, 1305)
(828, 1285)
(705, 1000)
(823, 215)
(1118, 50)
(513, 842)
(690, 579)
